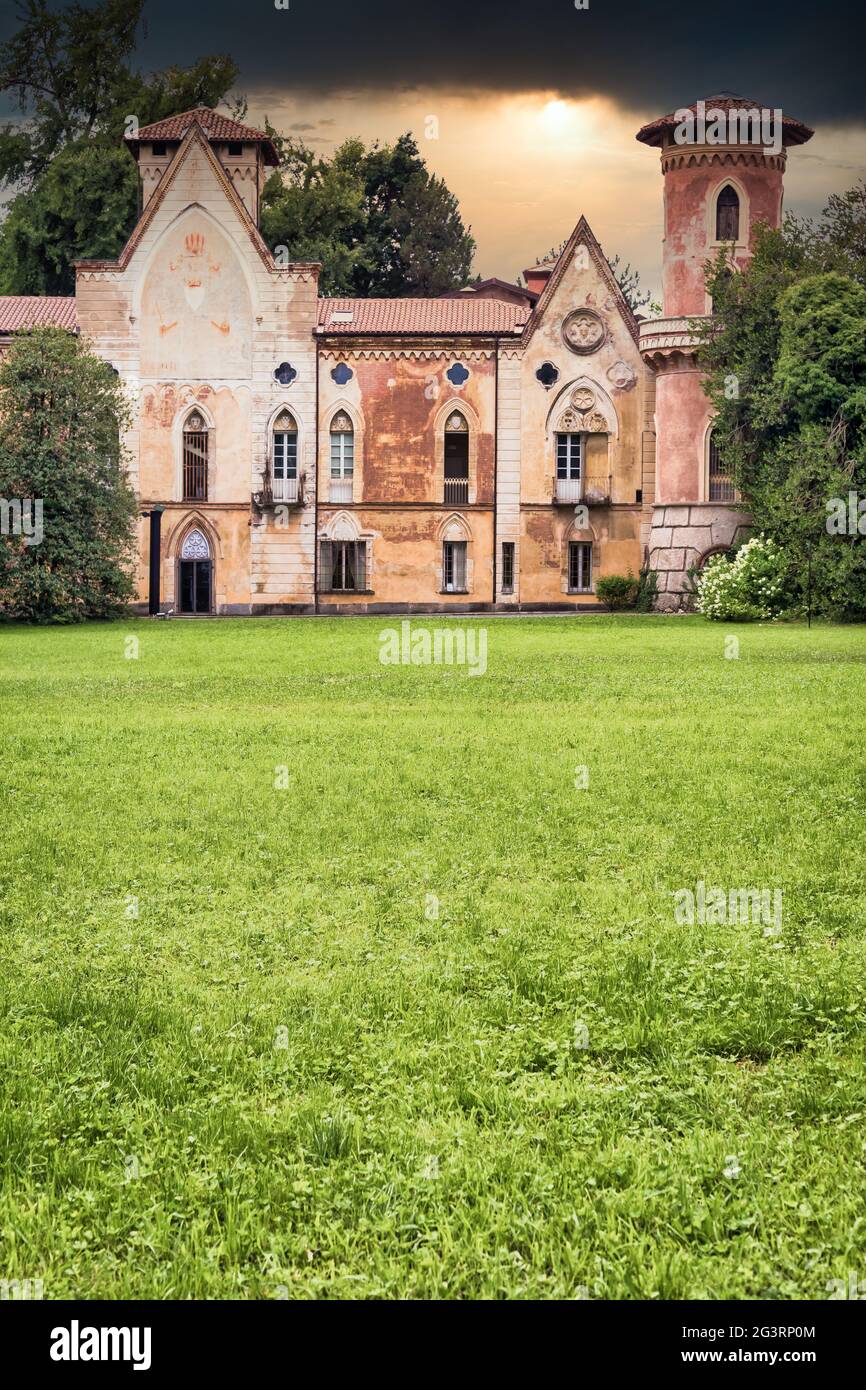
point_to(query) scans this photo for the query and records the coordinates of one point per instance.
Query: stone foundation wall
(681, 536)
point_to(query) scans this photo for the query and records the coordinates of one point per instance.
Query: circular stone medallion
(583, 330)
(582, 398)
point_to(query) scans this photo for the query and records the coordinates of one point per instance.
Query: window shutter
(360, 565)
(325, 565)
(460, 565)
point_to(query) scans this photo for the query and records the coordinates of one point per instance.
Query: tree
(379, 221)
(785, 357)
(83, 206)
(70, 74)
(62, 416)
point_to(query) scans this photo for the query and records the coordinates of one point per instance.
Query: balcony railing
(456, 492)
(597, 490)
(340, 490)
(283, 492)
(568, 490)
(593, 491)
(285, 489)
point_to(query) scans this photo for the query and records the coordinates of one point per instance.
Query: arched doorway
(196, 574)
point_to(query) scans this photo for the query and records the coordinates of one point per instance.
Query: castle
(497, 448)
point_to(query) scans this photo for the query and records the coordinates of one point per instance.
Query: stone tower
(247, 155)
(723, 162)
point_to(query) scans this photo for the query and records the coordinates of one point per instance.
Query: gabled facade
(491, 449)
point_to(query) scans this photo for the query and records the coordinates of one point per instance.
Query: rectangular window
(579, 567)
(342, 454)
(158, 148)
(454, 567)
(508, 567)
(343, 566)
(195, 452)
(285, 454)
(569, 455)
(236, 149)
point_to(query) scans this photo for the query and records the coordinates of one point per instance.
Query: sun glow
(556, 116)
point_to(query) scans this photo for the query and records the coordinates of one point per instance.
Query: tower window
(720, 484)
(727, 215)
(236, 149)
(158, 148)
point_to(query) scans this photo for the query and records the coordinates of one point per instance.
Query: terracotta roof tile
(794, 132)
(29, 310)
(217, 126)
(432, 316)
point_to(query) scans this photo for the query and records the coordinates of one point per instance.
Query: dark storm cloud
(804, 56)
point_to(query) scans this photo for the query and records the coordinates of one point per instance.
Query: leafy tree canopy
(785, 357)
(76, 187)
(62, 417)
(381, 224)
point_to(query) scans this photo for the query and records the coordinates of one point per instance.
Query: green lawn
(338, 1051)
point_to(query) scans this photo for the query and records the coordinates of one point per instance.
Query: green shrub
(748, 587)
(617, 590)
(647, 590)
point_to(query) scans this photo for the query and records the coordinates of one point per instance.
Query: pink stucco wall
(690, 196)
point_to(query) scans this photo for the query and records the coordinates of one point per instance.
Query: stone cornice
(425, 353)
(667, 338)
(694, 156)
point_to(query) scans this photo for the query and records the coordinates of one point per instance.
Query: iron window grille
(579, 567)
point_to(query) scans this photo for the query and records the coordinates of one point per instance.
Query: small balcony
(279, 492)
(340, 490)
(456, 492)
(567, 491)
(592, 491)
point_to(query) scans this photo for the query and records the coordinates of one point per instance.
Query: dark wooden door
(195, 586)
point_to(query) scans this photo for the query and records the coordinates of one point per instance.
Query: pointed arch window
(342, 457)
(727, 215)
(196, 448)
(284, 456)
(720, 484)
(456, 459)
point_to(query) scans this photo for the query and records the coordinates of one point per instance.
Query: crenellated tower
(723, 162)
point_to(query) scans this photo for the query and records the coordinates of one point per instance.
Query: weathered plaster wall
(195, 314)
(399, 400)
(610, 382)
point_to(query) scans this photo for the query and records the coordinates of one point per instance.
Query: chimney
(537, 276)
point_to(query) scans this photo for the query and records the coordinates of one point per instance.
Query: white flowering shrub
(749, 587)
